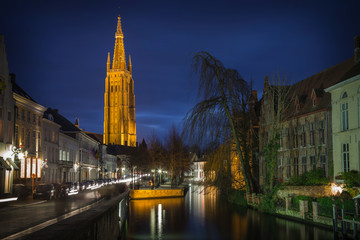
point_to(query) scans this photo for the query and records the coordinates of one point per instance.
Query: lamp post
(159, 177)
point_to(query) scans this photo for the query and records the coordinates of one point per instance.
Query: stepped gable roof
(18, 90)
(66, 125)
(121, 150)
(96, 136)
(318, 82)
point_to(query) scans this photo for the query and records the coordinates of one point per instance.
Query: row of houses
(38, 144)
(319, 124)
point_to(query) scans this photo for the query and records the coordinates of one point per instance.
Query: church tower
(119, 97)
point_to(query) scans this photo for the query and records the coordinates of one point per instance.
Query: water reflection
(203, 215)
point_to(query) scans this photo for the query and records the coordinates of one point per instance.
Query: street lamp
(76, 168)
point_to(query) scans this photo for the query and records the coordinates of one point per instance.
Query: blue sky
(58, 49)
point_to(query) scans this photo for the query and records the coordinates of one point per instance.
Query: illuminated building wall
(119, 97)
(6, 122)
(28, 134)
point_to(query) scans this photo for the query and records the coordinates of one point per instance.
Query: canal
(202, 214)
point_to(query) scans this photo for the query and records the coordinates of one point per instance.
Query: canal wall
(310, 191)
(103, 222)
(157, 193)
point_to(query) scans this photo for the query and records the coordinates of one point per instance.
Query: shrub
(341, 201)
(297, 199)
(316, 177)
(237, 197)
(351, 179)
(311, 178)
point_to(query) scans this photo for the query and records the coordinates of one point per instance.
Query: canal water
(202, 214)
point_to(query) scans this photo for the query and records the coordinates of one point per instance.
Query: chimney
(356, 49)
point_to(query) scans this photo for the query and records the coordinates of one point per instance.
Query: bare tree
(177, 155)
(223, 93)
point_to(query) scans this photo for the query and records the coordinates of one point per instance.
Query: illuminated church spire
(119, 97)
(119, 61)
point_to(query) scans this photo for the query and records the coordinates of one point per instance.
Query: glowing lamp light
(336, 189)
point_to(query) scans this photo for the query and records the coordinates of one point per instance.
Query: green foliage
(237, 197)
(270, 151)
(270, 200)
(311, 178)
(316, 177)
(326, 204)
(351, 179)
(297, 199)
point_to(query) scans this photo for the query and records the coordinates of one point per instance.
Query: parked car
(45, 191)
(68, 189)
(100, 182)
(83, 186)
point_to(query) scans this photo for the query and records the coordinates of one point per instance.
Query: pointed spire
(119, 61)
(130, 66)
(108, 62)
(76, 122)
(119, 32)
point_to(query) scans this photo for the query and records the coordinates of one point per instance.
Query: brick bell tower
(119, 97)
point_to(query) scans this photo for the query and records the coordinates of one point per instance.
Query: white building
(345, 101)
(50, 146)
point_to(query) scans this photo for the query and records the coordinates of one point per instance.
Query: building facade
(119, 97)
(305, 128)
(345, 101)
(7, 166)
(50, 146)
(28, 135)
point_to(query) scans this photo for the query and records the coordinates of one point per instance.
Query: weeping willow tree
(218, 168)
(223, 95)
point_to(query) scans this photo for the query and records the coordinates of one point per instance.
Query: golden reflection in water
(161, 213)
(202, 214)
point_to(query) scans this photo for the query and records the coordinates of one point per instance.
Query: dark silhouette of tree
(178, 159)
(224, 97)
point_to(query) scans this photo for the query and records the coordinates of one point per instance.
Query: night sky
(58, 49)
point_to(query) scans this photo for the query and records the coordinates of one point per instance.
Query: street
(20, 217)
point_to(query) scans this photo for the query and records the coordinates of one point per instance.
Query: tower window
(112, 88)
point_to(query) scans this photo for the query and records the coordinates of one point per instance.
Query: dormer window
(314, 98)
(297, 107)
